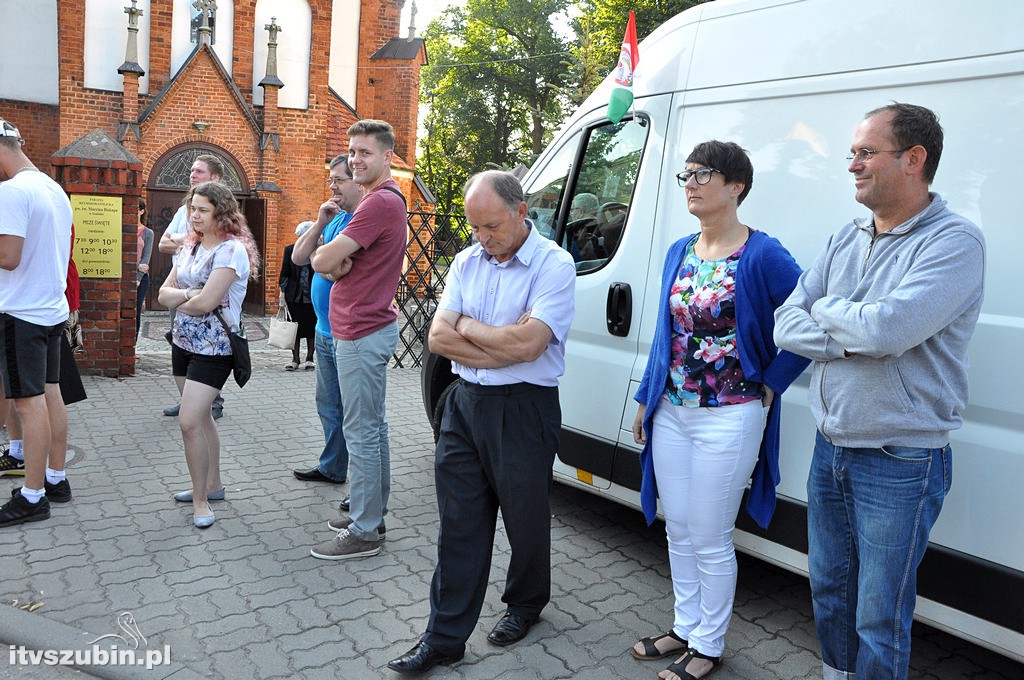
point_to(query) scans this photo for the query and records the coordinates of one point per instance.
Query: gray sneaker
(345, 520)
(343, 546)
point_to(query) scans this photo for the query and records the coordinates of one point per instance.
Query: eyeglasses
(864, 155)
(338, 180)
(703, 176)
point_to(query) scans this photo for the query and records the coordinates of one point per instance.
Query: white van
(789, 80)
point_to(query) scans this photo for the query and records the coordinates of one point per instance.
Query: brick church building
(117, 97)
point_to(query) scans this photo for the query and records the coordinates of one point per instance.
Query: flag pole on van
(629, 56)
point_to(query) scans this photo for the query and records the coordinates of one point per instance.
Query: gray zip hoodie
(887, 319)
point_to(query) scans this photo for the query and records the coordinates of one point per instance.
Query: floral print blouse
(704, 369)
(205, 334)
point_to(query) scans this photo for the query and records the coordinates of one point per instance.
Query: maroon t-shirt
(363, 301)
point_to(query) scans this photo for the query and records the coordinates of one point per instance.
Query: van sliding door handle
(619, 310)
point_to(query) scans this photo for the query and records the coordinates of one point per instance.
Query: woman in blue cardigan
(708, 417)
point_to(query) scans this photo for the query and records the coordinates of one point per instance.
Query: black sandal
(679, 666)
(651, 647)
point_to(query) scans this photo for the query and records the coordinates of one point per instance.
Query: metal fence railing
(434, 239)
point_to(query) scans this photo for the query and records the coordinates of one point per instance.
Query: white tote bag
(283, 330)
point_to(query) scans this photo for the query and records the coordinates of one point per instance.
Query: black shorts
(212, 370)
(29, 356)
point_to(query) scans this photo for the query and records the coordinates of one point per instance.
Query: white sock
(55, 476)
(17, 449)
(32, 495)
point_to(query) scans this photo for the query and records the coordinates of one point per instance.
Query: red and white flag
(629, 57)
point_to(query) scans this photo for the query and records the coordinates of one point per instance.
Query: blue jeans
(334, 458)
(363, 376)
(869, 513)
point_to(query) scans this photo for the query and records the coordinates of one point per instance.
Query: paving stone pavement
(244, 599)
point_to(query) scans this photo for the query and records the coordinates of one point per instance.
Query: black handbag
(241, 361)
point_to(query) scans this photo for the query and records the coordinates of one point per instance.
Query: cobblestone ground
(244, 599)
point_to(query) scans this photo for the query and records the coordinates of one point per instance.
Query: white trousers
(703, 458)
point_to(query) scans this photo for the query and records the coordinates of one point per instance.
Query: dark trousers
(496, 449)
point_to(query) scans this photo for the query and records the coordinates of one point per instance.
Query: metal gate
(434, 239)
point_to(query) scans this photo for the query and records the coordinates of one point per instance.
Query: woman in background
(145, 240)
(210, 272)
(295, 283)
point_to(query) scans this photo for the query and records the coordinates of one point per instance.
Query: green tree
(492, 88)
(599, 28)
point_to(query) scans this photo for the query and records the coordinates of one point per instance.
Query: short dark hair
(341, 160)
(380, 130)
(730, 159)
(215, 164)
(504, 184)
(914, 125)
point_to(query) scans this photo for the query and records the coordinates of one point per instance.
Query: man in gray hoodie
(886, 313)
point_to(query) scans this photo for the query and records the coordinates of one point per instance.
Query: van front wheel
(435, 418)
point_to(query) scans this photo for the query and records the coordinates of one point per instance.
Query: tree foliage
(492, 89)
(503, 74)
(602, 23)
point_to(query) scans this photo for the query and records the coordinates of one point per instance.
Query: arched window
(172, 171)
(293, 45)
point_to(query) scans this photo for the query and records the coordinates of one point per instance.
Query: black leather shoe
(421, 659)
(346, 505)
(511, 628)
(313, 474)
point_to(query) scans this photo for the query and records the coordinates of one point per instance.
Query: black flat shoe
(314, 475)
(421, 659)
(346, 505)
(511, 628)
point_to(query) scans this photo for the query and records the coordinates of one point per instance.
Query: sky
(426, 11)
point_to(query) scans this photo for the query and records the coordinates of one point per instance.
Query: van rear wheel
(438, 414)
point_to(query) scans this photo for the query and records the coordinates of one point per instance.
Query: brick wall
(244, 26)
(308, 138)
(108, 305)
(39, 125)
(159, 71)
(394, 97)
(381, 82)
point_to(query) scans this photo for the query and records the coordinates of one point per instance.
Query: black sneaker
(57, 493)
(18, 510)
(9, 465)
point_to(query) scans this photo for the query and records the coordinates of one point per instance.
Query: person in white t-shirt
(35, 246)
(205, 168)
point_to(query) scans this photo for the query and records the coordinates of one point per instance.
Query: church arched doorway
(168, 183)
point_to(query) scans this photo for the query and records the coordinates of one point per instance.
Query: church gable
(202, 87)
(201, 103)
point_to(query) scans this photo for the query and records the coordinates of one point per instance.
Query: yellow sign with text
(97, 249)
